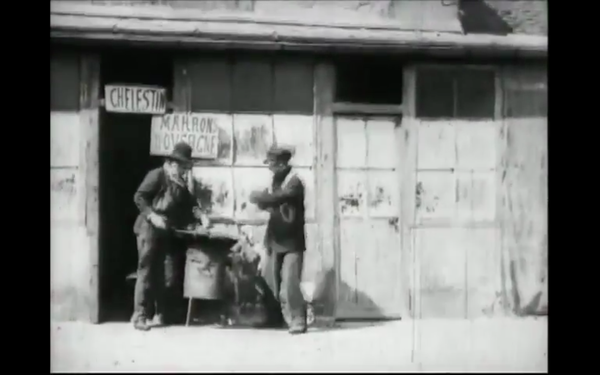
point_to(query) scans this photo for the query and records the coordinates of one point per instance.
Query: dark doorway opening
(124, 161)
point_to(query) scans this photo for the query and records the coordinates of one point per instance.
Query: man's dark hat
(279, 153)
(182, 152)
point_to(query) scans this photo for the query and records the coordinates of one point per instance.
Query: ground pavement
(428, 345)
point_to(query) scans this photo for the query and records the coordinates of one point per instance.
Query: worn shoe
(296, 330)
(158, 320)
(141, 325)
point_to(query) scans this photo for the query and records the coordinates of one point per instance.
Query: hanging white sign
(135, 99)
(199, 130)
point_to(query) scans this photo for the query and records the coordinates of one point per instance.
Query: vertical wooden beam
(327, 210)
(500, 175)
(408, 170)
(408, 156)
(182, 88)
(90, 171)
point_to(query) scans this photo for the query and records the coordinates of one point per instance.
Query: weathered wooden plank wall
(69, 259)
(413, 15)
(455, 217)
(252, 94)
(367, 180)
(455, 228)
(480, 235)
(524, 184)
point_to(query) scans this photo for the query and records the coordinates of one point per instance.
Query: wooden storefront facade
(417, 206)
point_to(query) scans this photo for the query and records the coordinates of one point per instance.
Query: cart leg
(189, 311)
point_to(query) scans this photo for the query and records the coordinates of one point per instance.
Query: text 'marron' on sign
(199, 130)
(135, 99)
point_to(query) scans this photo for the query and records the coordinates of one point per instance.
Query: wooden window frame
(344, 108)
(490, 68)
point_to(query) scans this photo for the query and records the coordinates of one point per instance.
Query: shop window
(368, 80)
(435, 94)
(211, 80)
(64, 81)
(252, 83)
(526, 103)
(455, 93)
(293, 85)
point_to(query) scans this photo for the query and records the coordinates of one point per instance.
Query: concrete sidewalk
(429, 345)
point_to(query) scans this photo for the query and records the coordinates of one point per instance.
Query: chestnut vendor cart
(205, 265)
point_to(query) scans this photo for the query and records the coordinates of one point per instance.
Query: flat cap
(280, 152)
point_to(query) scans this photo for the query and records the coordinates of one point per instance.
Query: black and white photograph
(299, 186)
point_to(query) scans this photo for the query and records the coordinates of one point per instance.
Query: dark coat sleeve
(147, 191)
(293, 192)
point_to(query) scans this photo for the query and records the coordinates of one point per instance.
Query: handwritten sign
(200, 131)
(135, 99)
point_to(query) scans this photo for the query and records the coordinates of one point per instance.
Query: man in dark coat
(285, 240)
(166, 201)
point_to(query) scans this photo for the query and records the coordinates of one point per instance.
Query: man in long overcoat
(285, 240)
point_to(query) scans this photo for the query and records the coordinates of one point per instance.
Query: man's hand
(157, 220)
(262, 264)
(205, 221)
(255, 196)
(199, 215)
(263, 253)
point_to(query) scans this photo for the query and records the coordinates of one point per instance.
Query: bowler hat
(279, 153)
(182, 152)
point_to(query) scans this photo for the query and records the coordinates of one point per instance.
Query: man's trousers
(283, 274)
(158, 281)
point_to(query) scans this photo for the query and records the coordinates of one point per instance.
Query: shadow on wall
(319, 305)
(324, 298)
(477, 17)
(534, 305)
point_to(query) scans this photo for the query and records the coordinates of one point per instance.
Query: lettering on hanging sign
(135, 99)
(199, 130)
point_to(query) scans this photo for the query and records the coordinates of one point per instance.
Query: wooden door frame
(406, 175)
(364, 113)
(412, 268)
(90, 171)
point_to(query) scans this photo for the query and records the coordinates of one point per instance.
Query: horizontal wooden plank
(367, 109)
(162, 25)
(287, 12)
